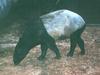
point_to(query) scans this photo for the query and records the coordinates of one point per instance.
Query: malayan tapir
(46, 29)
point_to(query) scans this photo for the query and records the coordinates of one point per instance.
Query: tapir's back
(62, 22)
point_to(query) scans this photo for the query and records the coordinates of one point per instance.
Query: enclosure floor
(89, 64)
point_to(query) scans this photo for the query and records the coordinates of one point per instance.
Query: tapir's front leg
(51, 43)
(43, 51)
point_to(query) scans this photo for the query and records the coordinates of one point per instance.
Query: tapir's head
(19, 55)
(22, 48)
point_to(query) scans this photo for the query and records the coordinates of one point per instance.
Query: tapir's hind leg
(81, 45)
(80, 41)
(73, 43)
(75, 39)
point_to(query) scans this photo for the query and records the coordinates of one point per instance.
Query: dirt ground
(89, 64)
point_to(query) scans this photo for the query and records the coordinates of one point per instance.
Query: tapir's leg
(43, 51)
(81, 45)
(73, 43)
(80, 41)
(52, 45)
(75, 39)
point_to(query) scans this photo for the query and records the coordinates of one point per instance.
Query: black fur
(34, 34)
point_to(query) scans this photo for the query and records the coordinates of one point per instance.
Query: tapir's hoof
(69, 55)
(41, 58)
(58, 57)
(82, 53)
